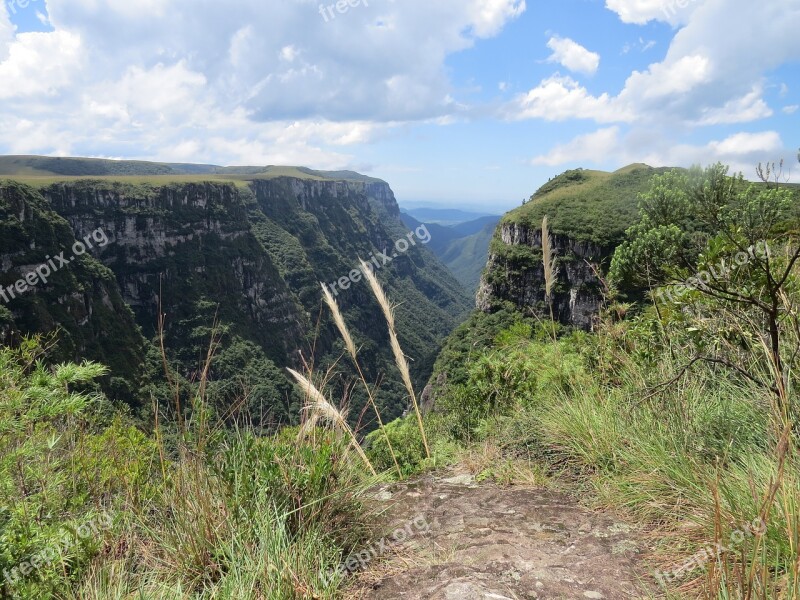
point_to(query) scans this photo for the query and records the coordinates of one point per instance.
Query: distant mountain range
(443, 216)
(463, 245)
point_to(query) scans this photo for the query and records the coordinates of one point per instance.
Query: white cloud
(247, 81)
(6, 32)
(40, 64)
(742, 151)
(743, 144)
(640, 12)
(591, 147)
(749, 107)
(573, 56)
(488, 17)
(560, 98)
(790, 110)
(704, 79)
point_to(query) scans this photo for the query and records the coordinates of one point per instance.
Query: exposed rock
(485, 542)
(518, 277)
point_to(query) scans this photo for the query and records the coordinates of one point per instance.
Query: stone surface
(484, 542)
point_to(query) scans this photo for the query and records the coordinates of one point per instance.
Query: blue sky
(468, 103)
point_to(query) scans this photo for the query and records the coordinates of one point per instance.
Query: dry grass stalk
(399, 356)
(320, 408)
(548, 259)
(338, 318)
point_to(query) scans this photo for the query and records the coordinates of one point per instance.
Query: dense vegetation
(592, 206)
(244, 259)
(681, 410)
(91, 507)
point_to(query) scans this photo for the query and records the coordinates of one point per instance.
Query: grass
(42, 171)
(43, 181)
(588, 205)
(197, 510)
(693, 464)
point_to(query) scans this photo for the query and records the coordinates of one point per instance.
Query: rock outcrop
(515, 273)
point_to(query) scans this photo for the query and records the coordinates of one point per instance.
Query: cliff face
(515, 274)
(249, 255)
(79, 301)
(184, 245)
(589, 212)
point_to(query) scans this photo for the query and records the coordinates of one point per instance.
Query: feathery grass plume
(320, 407)
(399, 357)
(548, 259)
(351, 348)
(339, 320)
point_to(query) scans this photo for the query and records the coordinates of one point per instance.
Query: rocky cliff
(245, 252)
(589, 212)
(515, 274)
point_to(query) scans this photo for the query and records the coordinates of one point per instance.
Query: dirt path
(458, 540)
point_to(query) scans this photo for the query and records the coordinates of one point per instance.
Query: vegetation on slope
(682, 413)
(586, 205)
(210, 252)
(464, 248)
(93, 508)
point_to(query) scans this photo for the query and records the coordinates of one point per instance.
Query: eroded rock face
(484, 542)
(515, 274)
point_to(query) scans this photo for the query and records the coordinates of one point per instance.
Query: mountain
(464, 247)
(56, 166)
(588, 212)
(444, 216)
(245, 248)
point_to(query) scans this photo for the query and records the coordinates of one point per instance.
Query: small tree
(704, 234)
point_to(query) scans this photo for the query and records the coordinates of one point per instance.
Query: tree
(706, 236)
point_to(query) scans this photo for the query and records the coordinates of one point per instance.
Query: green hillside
(586, 205)
(464, 247)
(43, 170)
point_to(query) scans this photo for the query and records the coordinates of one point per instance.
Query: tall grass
(338, 319)
(199, 511)
(400, 358)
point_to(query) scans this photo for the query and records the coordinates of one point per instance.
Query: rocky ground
(450, 538)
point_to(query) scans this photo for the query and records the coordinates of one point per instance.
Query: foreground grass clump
(696, 463)
(92, 508)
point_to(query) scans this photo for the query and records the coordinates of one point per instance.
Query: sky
(460, 103)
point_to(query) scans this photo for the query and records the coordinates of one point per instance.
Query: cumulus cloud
(230, 82)
(608, 146)
(573, 56)
(559, 98)
(704, 79)
(592, 147)
(641, 12)
(6, 32)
